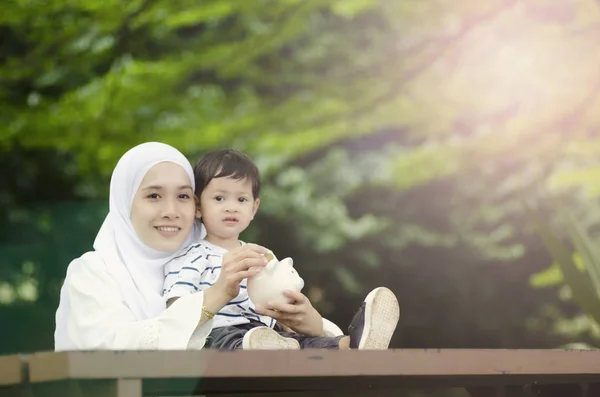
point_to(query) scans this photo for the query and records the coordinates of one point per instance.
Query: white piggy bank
(268, 285)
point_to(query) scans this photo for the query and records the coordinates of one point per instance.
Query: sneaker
(375, 322)
(264, 338)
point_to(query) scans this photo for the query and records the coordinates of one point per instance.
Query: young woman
(112, 296)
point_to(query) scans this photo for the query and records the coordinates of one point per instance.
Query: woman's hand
(299, 315)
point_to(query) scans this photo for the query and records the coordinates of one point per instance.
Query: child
(228, 187)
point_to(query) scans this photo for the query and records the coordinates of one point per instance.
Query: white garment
(134, 268)
(197, 269)
(99, 319)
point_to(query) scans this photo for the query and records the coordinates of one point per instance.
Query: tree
(396, 139)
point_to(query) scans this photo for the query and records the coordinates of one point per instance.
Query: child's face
(162, 212)
(227, 207)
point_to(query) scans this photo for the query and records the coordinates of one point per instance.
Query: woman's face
(162, 212)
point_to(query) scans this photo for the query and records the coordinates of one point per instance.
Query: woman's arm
(97, 318)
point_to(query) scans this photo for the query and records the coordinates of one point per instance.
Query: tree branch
(438, 46)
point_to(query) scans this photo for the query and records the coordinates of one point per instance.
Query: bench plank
(11, 372)
(311, 363)
(211, 371)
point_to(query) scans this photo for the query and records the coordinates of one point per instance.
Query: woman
(112, 296)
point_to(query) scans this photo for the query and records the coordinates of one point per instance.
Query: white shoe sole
(264, 338)
(382, 313)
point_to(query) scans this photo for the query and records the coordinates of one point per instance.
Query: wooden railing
(483, 373)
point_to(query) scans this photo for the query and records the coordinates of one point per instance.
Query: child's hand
(299, 315)
(238, 264)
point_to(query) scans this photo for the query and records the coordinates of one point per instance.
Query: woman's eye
(153, 196)
(184, 196)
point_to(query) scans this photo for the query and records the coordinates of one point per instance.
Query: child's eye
(242, 199)
(153, 196)
(219, 198)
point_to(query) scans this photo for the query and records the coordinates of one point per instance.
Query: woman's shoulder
(90, 271)
(91, 257)
(90, 262)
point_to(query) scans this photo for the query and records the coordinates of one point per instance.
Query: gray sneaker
(375, 322)
(264, 338)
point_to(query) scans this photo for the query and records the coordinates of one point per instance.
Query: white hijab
(137, 268)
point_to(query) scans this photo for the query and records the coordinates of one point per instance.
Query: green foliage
(577, 271)
(396, 138)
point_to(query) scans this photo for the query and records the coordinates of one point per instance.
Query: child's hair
(224, 163)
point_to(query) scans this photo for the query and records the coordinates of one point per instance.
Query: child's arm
(238, 264)
(183, 275)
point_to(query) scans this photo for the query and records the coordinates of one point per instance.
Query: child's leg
(316, 342)
(375, 322)
(371, 328)
(265, 338)
(227, 338)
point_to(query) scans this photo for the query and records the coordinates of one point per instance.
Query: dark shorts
(230, 338)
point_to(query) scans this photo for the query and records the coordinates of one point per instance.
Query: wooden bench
(12, 375)
(314, 372)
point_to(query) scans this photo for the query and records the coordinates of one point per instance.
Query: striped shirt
(197, 269)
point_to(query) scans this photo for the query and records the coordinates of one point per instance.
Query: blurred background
(429, 146)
